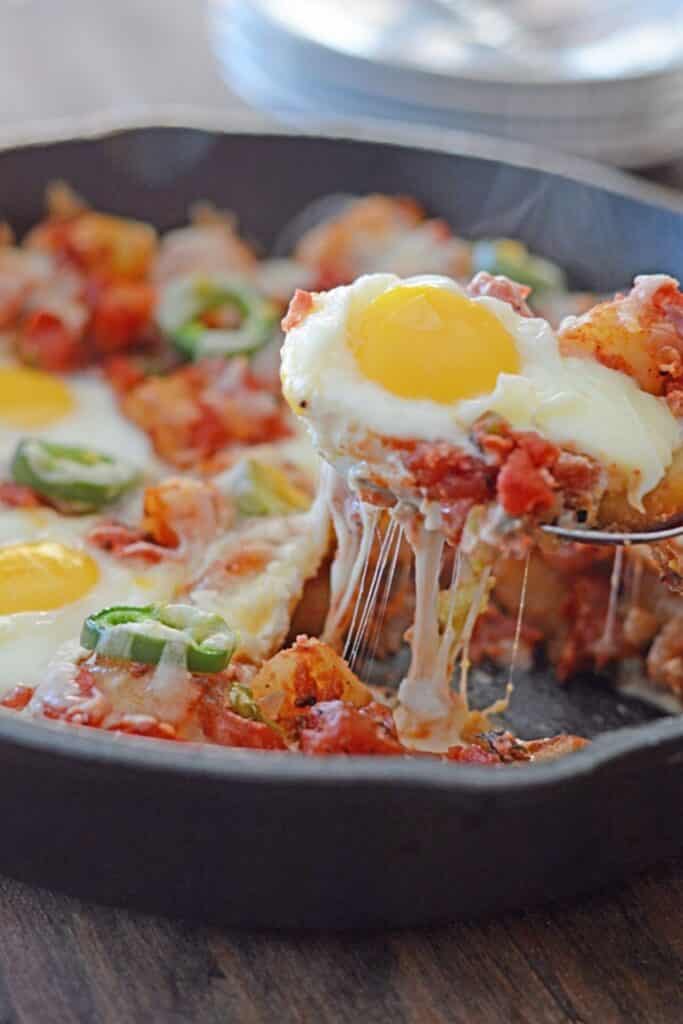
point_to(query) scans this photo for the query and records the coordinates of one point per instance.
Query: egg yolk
(42, 576)
(29, 398)
(420, 341)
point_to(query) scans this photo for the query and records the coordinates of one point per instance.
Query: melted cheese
(258, 600)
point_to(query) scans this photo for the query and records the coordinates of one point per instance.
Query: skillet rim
(203, 760)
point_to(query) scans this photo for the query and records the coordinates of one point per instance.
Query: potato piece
(379, 232)
(113, 248)
(304, 674)
(663, 502)
(639, 334)
(601, 334)
(180, 510)
(545, 595)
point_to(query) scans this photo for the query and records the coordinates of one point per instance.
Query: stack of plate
(606, 85)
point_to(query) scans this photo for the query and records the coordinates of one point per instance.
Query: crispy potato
(546, 591)
(181, 509)
(112, 248)
(663, 502)
(305, 674)
(374, 233)
(640, 334)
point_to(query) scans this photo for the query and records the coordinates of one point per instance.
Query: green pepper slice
(202, 641)
(260, 489)
(243, 702)
(76, 479)
(512, 258)
(185, 303)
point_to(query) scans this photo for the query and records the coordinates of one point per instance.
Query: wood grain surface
(616, 957)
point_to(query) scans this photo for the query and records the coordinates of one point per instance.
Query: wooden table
(616, 958)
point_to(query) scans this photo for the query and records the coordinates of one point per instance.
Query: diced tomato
(223, 726)
(195, 411)
(18, 496)
(122, 314)
(334, 727)
(112, 536)
(47, 342)
(501, 287)
(124, 373)
(18, 698)
(299, 308)
(578, 477)
(522, 488)
(85, 680)
(207, 433)
(81, 702)
(124, 541)
(449, 474)
(541, 452)
(471, 755)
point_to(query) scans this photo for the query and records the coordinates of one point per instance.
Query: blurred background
(597, 78)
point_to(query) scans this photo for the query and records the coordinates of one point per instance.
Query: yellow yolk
(40, 577)
(418, 341)
(29, 398)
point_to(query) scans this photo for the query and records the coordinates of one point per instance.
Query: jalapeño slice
(76, 479)
(202, 641)
(212, 315)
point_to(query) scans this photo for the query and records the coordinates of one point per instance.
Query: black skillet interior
(600, 238)
(81, 819)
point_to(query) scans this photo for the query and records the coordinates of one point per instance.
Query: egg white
(94, 421)
(259, 605)
(568, 400)
(29, 640)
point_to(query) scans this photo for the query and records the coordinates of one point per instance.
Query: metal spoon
(649, 536)
(577, 534)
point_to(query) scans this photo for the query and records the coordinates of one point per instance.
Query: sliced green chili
(185, 307)
(260, 489)
(243, 703)
(509, 257)
(203, 641)
(77, 479)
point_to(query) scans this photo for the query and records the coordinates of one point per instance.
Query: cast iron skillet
(277, 840)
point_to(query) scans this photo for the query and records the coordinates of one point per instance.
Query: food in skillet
(472, 422)
(163, 532)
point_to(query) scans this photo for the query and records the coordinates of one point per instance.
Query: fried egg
(76, 409)
(255, 575)
(417, 359)
(51, 579)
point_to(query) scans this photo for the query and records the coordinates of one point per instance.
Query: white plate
(300, 65)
